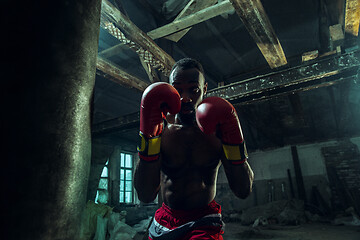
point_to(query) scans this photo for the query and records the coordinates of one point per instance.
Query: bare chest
(188, 147)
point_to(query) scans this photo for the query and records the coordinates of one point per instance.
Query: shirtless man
(198, 136)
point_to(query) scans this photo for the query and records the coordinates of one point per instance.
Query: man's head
(187, 76)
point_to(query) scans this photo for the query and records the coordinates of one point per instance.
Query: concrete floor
(309, 231)
(313, 231)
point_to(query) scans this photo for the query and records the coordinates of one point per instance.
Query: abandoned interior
(71, 102)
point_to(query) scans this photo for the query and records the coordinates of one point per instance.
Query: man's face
(190, 84)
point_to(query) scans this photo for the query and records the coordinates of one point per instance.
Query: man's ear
(205, 88)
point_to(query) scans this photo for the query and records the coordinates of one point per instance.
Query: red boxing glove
(157, 100)
(215, 113)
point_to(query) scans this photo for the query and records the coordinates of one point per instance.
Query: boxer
(182, 156)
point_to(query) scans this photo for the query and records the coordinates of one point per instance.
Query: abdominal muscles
(189, 188)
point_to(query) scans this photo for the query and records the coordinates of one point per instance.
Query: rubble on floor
(100, 222)
(348, 218)
(289, 212)
(143, 225)
(89, 219)
(286, 212)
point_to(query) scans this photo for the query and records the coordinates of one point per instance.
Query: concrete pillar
(50, 52)
(114, 173)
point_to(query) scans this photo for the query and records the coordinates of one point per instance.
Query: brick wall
(343, 168)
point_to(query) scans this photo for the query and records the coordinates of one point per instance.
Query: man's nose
(185, 98)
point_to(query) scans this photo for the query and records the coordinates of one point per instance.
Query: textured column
(51, 49)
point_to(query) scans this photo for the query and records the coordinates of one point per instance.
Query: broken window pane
(103, 183)
(104, 172)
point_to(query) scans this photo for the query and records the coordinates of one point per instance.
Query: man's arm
(240, 177)
(157, 100)
(215, 114)
(147, 180)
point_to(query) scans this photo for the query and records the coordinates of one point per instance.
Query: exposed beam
(323, 73)
(149, 71)
(192, 7)
(118, 75)
(185, 22)
(257, 23)
(336, 35)
(114, 125)
(352, 17)
(304, 77)
(191, 20)
(117, 24)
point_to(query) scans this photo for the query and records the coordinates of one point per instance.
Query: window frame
(124, 168)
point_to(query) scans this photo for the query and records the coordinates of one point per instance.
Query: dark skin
(189, 160)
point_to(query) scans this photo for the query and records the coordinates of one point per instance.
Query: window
(103, 187)
(126, 178)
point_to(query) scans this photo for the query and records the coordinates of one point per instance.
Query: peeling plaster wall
(272, 166)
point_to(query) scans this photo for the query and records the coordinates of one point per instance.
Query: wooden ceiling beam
(185, 22)
(323, 73)
(129, 121)
(153, 77)
(352, 17)
(257, 23)
(117, 24)
(304, 77)
(192, 7)
(191, 20)
(116, 74)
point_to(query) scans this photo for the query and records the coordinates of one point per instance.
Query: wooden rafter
(192, 7)
(191, 20)
(323, 73)
(117, 124)
(149, 71)
(352, 17)
(118, 75)
(184, 21)
(123, 29)
(111, 14)
(256, 21)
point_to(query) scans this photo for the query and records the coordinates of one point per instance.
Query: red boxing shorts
(171, 224)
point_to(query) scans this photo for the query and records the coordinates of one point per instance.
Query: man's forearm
(240, 179)
(147, 180)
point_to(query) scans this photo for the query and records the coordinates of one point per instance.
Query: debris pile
(100, 222)
(285, 212)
